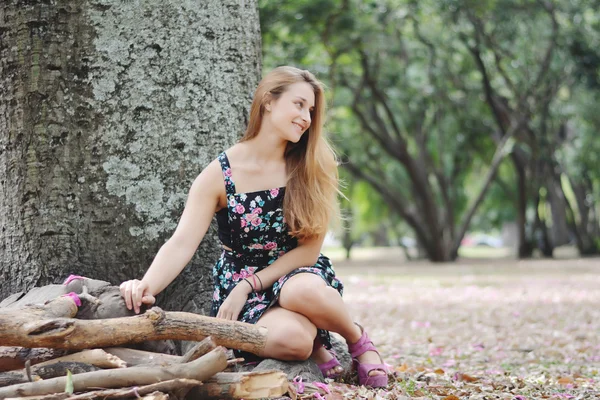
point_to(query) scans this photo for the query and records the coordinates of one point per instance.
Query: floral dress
(259, 236)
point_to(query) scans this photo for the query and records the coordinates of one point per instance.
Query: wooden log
(60, 368)
(14, 358)
(200, 349)
(12, 378)
(200, 369)
(133, 357)
(97, 357)
(46, 371)
(165, 387)
(247, 385)
(154, 324)
(63, 306)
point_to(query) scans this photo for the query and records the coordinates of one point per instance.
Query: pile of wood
(50, 353)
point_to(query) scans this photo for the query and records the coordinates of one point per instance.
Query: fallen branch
(248, 385)
(200, 369)
(199, 350)
(133, 357)
(166, 386)
(63, 306)
(45, 372)
(97, 357)
(14, 358)
(154, 324)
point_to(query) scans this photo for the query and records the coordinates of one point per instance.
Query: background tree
(429, 97)
(109, 110)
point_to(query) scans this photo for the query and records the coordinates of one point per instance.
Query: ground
(479, 329)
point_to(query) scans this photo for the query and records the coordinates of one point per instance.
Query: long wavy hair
(310, 201)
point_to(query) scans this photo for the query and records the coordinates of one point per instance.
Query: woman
(274, 194)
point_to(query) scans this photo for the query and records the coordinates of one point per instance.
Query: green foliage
(404, 73)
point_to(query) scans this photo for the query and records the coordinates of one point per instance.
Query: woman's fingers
(148, 299)
(126, 293)
(137, 293)
(134, 293)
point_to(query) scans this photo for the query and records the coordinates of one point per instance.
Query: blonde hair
(310, 202)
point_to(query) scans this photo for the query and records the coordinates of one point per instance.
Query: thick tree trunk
(108, 111)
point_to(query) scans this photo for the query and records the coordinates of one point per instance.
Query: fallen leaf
(565, 380)
(465, 377)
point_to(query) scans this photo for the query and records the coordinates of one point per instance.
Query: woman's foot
(328, 364)
(372, 370)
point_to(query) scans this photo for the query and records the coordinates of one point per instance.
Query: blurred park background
(465, 128)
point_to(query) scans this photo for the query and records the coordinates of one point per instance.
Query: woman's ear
(267, 101)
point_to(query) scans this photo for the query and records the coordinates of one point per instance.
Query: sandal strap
(363, 345)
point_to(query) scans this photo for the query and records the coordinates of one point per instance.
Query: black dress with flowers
(258, 237)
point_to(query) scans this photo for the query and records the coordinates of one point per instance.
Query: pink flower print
(257, 211)
(232, 202)
(256, 222)
(216, 295)
(244, 273)
(243, 222)
(239, 209)
(270, 246)
(246, 230)
(260, 307)
(228, 275)
(236, 277)
(274, 192)
(257, 246)
(281, 253)
(250, 217)
(228, 172)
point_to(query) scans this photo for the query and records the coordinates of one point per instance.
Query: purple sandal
(359, 348)
(326, 366)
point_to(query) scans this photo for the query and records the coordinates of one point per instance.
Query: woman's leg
(290, 336)
(307, 294)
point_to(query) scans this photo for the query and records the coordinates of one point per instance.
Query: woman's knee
(303, 290)
(294, 344)
(290, 336)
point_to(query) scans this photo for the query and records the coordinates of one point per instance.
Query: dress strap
(226, 168)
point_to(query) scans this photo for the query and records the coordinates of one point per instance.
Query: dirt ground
(480, 329)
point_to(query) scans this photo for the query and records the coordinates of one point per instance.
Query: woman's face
(290, 115)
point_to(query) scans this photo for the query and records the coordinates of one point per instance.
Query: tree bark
(12, 358)
(108, 111)
(155, 324)
(201, 369)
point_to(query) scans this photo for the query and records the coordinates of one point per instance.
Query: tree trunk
(524, 246)
(108, 111)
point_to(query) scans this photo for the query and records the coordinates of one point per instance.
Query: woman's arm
(306, 254)
(174, 255)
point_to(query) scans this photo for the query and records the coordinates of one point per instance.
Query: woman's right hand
(136, 293)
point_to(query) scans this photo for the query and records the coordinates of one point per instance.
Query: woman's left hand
(233, 304)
